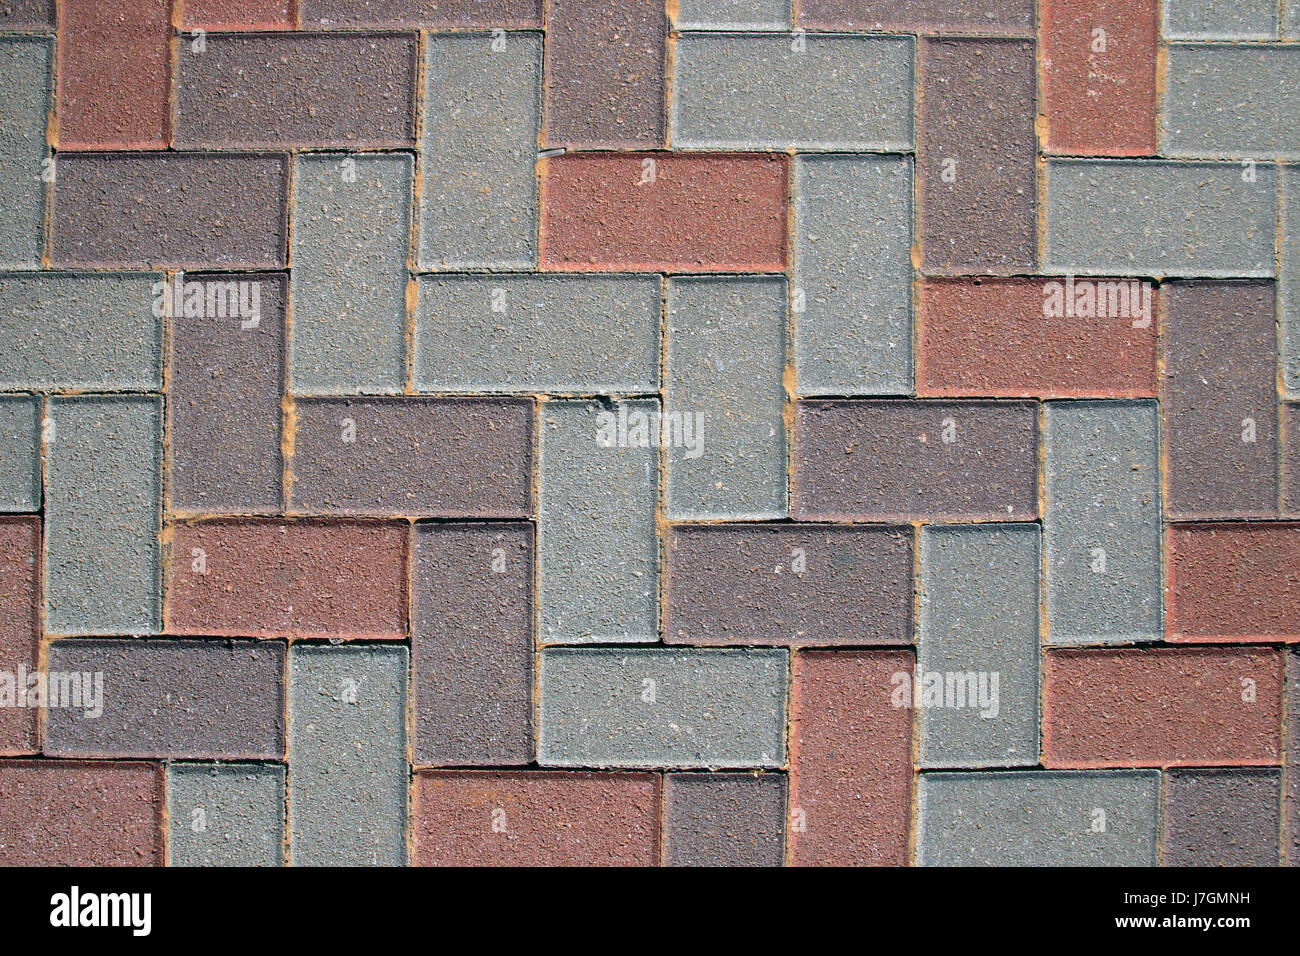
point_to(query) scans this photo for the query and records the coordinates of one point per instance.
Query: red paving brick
(238, 14)
(20, 623)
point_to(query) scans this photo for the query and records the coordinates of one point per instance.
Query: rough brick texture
(20, 589)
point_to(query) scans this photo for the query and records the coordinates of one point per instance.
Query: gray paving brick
(530, 333)
(102, 515)
(747, 91)
(597, 552)
(605, 707)
(349, 273)
(725, 398)
(1231, 101)
(853, 275)
(225, 814)
(1063, 818)
(79, 330)
(724, 819)
(733, 14)
(1221, 817)
(24, 109)
(27, 15)
(1102, 522)
(20, 453)
(1219, 19)
(1290, 19)
(1288, 286)
(978, 621)
(347, 755)
(478, 194)
(1159, 218)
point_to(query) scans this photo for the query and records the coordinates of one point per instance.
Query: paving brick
(1289, 20)
(1290, 451)
(27, 15)
(724, 819)
(1037, 819)
(74, 813)
(1291, 795)
(788, 585)
(922, 16)
(1102, 522)
(164, 698)
(1221, 817)
(733, 14)
(1233, 581)
(224, 389)
(273, 578)
(119, 210)
(348, 773)
(422, 13)
(724, 434)
(79, 331)
(1099, 89)
(538, 333)
(605, 79)
(893, 460)
(597, 551)
(237, 14)
(24, 111)
(1176, 219)
(476, 818)
(1037, 337)
(102, 499)
(20, 623)
(977, 646)
(102, 105)
(349, 273)
(1220, 19)
(850, 759)
(975, 156)
(472, 640)
(482, 114)
(605, 707)
(853, 275)
(20, 453)
(750, 91)
(452, 457)
(1288, 286)
(225, 814)
(1220, 399)
(693, 213)
(1154, 707)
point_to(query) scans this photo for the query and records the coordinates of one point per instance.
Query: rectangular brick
(350, 236)
(1038, 819)
(1288, 285)
(788, 585)
(977, 646)
(853, 275)
(724, 819)
(733, 14)
(538, 333)
(348, 773)
(20, 453)
(224, 388)
(1178, 219)
(1289, 20)
(724, 400)
(24, 112)
(531, 818)
(472, 641)
(220, 211)
(238, 14)
(896, 459)
(1216, 20)
(273, 578)
(664, 212)
(449, 457)
(20, 625)
(1221, 817)
(1290, 450)
(225, 814)
(101, 105)
(103, 496)
(431, 14)
(922, 16)
(1162, 707)
(75, 813)
(1037, 337)
(478, 189)
(751, 91)
(27, 15)
(1231, 101)
(1220, 399)
(606, 707)
(597, 548)
(976, 145)
(850, 759)
(1101, 524)
(1291, 796)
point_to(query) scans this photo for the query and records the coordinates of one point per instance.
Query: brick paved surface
(592, 432)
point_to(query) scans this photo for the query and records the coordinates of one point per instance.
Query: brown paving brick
(850, 759)
(724, 819)
(268, 578)
(1159, 707)
(1233, 581)
(20, 595)
(478, 818)
(26, 15)
(991, 337)
(1227, 817)
(422, 13)
(1291, 800)
(1011, 17)
(74, 813)
(1100, 91)
(976, 118)
(888, 460)
(787, 584)
(140, 209)
(702, 213)
(237, 14)
(1219, 389)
